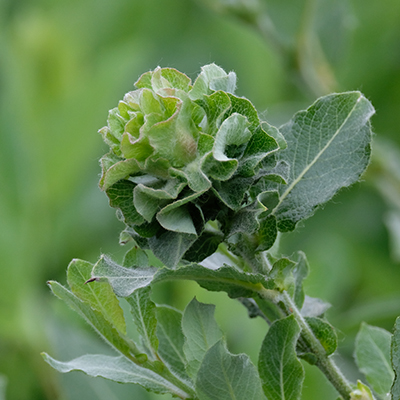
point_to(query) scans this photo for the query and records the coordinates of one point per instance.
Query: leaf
(282, 273)
(224, 376)
(124, 281)
(136, 258)
(300, 273)
(373, 358)
(314, 307)
(328, 148)
(201, 332)
(395, 358)
(171, 340)
(95, 320)
(324, 332)
(228, 279)
(144, 314)
(362, 392)
(121, 197)
(170, 247)
(205, 245)
(3, 384)
(99, 296)
(118, 369)
(280, 371)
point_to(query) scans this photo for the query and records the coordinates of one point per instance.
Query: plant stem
(324, 363)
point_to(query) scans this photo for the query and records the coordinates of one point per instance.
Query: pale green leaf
(144, 314)
(395, 358)
(373, 358)
(300, 272)
(136, 258)
(201, 332)
(224, 376)
(328, 148)
(280, 371)
(362, 392)
(124, 281)
(99, 295)
(118, 369)
(171, 340)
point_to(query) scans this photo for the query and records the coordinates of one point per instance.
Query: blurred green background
(65, 63)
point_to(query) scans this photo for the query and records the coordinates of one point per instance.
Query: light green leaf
(224, 376)
(171, 340)
(373, 358)
(282, 273)
(328, 148)
(96, 321)
(124, 281)
(300, 272)
(362, 392)
(280, 371)
(395, 358)
(170, 246)
(144, 314)
(121, 170)
(136, 258)
(98, 295)
(201, 332)
(118, 369)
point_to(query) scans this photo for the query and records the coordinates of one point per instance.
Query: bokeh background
(65, 63)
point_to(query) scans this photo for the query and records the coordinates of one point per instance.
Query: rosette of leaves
(182, 155)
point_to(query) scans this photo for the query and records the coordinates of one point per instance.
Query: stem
(324, 363)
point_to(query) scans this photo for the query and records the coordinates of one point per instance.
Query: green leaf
(395, 358)
(206, 245)
(373, 358)
(136, 258)
(324, 332)
(201, 332)
(280, 371)
(124, 281)
(228, 279)
(171, 340)
(118, 369)
(282, 273)
(121, 197)
(300, 272)
(170, 247)
(362, 392)
(96, 321)
(99, 295)
(144, 314)
(328, 148)
(224, 376)
(121, 170)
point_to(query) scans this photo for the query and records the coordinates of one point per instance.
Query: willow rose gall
(184, 154)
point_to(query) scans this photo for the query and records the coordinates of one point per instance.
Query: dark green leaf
(373, 357)
(201, 332)
(395, 358)
(324, 332)
(280, 371)
(206, 244)
(224, 376)
(328, 148)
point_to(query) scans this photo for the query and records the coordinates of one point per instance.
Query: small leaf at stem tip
(363, 392)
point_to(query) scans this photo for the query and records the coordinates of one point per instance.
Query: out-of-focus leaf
(99, 296)
(395, 358)
(300, 272)
(224, 376)
(373, 358)
(201, 332)
(144, 314)
(171, 339)
(3, 384)
(280, 371)
(328, 148)
(118, 369)
(314, 307)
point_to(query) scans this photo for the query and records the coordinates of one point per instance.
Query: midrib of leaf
(145, 331)
(172, 344)
(316, 158)
(381, 355)
(230, 388)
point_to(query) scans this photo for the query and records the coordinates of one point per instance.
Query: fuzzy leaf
(201, 332)
(171, 340)
(395, 357)
(280, 371)
(144, 314)
(224, 376)
(300, 273)
(117, 369)
(124, 281)
(328, 148)
(99, 296)
(362, 392)
(373, 358)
